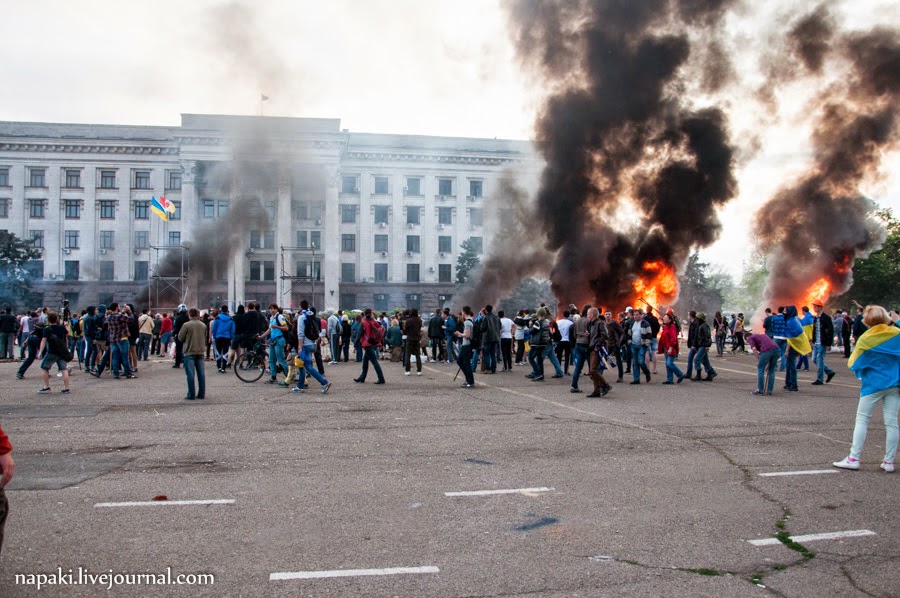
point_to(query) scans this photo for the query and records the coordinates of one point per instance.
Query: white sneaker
(406, 373)
(418, 373)
(847, 463)
(887, 467)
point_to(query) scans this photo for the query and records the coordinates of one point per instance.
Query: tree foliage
(700, 288)
(467, 261)
(15, 281)
(528, 294)
(876, 279)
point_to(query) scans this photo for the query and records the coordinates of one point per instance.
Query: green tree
(700, 288)
(528, 294)
(15, 280)
(747, 294)
(467, 261)
(876, 279)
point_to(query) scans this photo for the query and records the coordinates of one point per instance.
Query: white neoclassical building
(351, 219)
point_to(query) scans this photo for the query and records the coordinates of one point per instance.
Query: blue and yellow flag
(162, 207)
(808, 321)
(877, 355)
(795, 333)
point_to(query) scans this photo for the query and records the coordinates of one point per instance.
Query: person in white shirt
(564, 346)
(507, 327)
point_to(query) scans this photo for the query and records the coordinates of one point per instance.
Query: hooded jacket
(223, 326)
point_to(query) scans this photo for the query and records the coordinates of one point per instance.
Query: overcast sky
(389, 66)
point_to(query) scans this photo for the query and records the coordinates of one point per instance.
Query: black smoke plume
(633, 171)
(818, 226)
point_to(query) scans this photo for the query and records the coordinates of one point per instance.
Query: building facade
(350, 219)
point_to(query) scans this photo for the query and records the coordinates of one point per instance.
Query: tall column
(331, 239)
(282, 224)
(189, 216)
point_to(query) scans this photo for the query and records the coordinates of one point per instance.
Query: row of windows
(413, 243)
(72, 270)
(413, 215)
(106, 179)
(413, 186)
(445, 272)
(72, 208)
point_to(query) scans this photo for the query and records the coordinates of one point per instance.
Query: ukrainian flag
(796, 335)
(162, 207)
(808, 321)
(877, 355)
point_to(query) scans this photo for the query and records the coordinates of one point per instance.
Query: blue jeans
(550, 354)
(790, 375)
(276, 357)
(143, 348)
(119, 356)
(358, 351)
(580, 355)
(692, 354)
(803, 362)
(490, 356)
(782, 348)
(90, 354)
(702, 360)
(194, 363)
(452, 349)
(474, 360)
(767, 361)
(306, 354)
(638, 364)
(890, 407)
(536, 359)
(370, 355)
(672, 369)
(819, 358)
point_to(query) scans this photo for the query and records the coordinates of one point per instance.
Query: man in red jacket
(6, 473)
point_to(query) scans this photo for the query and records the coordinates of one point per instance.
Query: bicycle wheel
(249, 368)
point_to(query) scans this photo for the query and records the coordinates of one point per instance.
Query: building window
(445, 216)
(36, 208)
(348, 300)
(445, 244)
(141, 271)
(70, 239)
(348, 214)
(4, 177)
(72, 270)
(176, 215)
(445, 187)
(174, 237)
(73, 179)
(262, 239)
(381, 243)
(413, 215)
(141, 210)
(412, 272)
(381, 272)
(107, 239)
(476, 216)
(222, 270)
(477, 244)
(413, 186)
(4, 207)
(381, 214)
(381, 302)
(142, 179)
(35, 269)
(315, 239)
(141, 239)
(255, 271)
(173, 181)
(301, 210)
(107, 270)
(413, 301)
(476, 188)
(348, 184)
(348, 272)
(221, 208)
(445, 272)
(381, 185)
(73, 209)
(301, 239)
(209, 209)
(309, 270)
(348, 242)
(262, 270)
(107, 209)
(107, 179)
(412, 243)
(37, 178)
(37, 238)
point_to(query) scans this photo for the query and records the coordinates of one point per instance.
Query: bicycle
(252, 364)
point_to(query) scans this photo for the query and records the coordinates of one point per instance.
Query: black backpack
(312, 327)
(101, 328)
(290, 335)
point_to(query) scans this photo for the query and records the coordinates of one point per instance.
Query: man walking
(640, 336)
(334, 335)
(54, 341)
(372, 337)
(490, 337)
(823, 338)
(436, 336)
(223, 329)
(307, 347)
(597, 346)
(704, 342)
(193, 335)
(412, 328)
(145, 329)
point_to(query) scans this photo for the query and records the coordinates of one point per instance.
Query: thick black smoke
(819, 225)
(633, 172)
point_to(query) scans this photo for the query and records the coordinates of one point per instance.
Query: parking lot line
(158, 503)
(773, 474)
(491, 492)
(351, 573)
(854, 533)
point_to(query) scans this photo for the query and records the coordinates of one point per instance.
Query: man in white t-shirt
(506, 337)
(564, 346)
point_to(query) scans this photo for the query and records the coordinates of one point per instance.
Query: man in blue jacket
(222, 331)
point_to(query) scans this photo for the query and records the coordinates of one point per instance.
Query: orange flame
(657, 283)
(819, 290)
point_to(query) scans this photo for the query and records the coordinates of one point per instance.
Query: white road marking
(492, 492)
(351, 573)
(157, 503)
(854, 533)
(806, 472)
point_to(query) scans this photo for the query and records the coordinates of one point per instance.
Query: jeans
(672, 369)
(358, 351)
(803, 362)
(335, 347)
(490, 356)
(536, 359)
(579, 356)
(767, 361)
(475, 353)
(564, 354)
(7, 345)
(782, 348)
(890, 407)
(819, 353)
(90, 354)
(452, 350)
(691, 358)
(143, 348)
(119, 356)
(194, 363)
(720, 344)
(276, 357)
(638, 362)
(464, 360)
(306, 354)
(790, 375)
(437, 348)
(702, 360)
(32, 355)
(370, 355)
(550, 354)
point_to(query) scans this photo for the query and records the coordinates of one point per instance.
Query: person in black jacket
(693, 325)
(436, 336)
(704, 342)
(180, 320)
(823, 338)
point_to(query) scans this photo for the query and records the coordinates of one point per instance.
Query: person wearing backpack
(275, 334)
(308, 328)
(372, 337)
(54, 341)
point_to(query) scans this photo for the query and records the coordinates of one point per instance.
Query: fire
(657, 284)
(819, 290)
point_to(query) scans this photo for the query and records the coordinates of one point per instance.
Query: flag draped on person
(796, 334)
(162, 207)
(876, 355)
